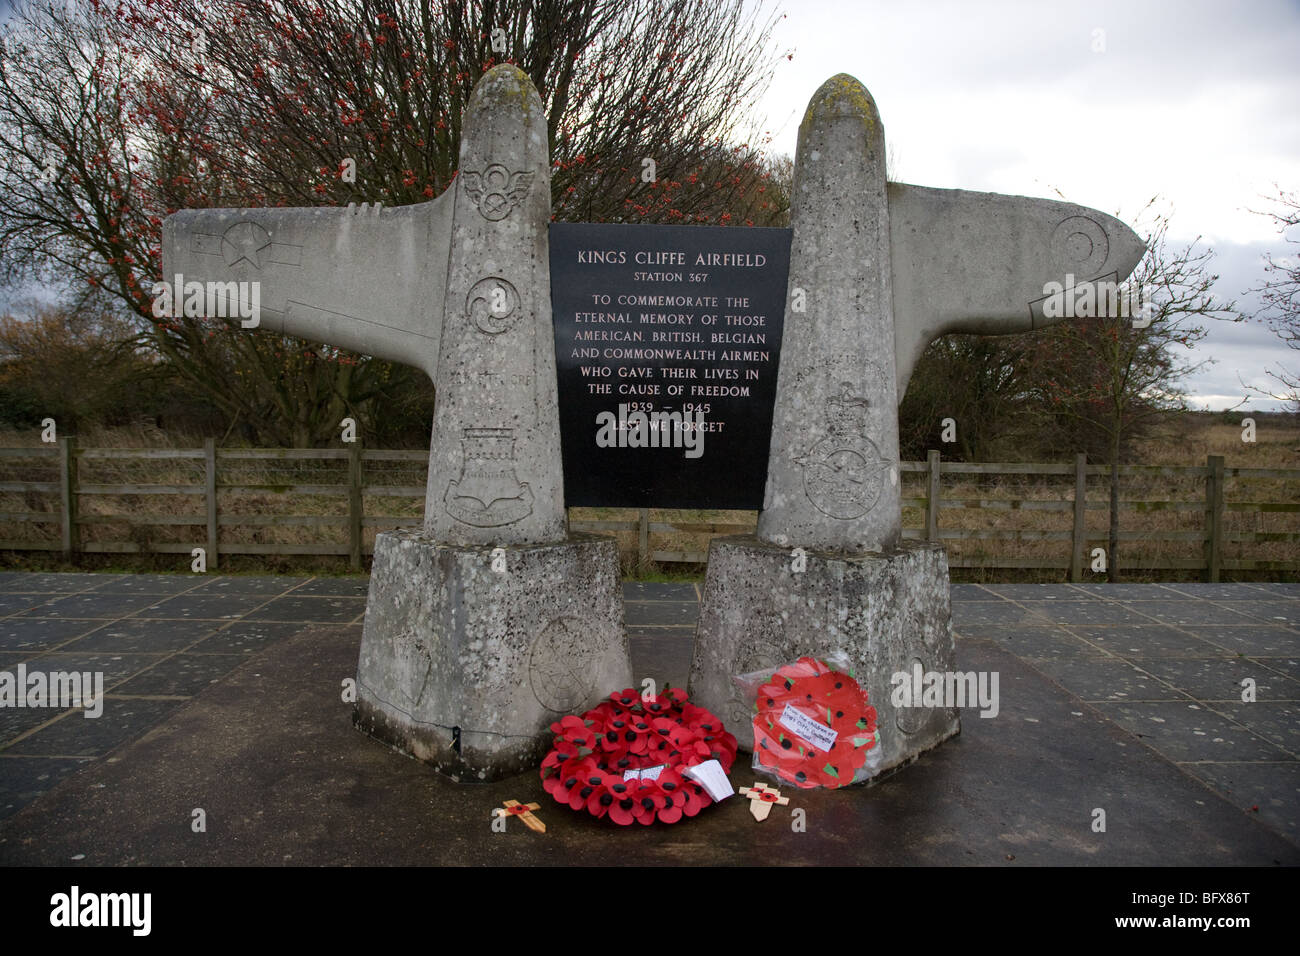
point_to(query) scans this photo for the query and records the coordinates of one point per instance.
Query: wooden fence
(73, 499)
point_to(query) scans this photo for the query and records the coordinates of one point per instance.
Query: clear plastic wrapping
(812, 723)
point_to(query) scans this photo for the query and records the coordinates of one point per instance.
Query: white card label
(712, 778)
(648, 773)
(813, 731)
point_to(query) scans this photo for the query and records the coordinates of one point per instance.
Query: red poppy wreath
(813, 725)
(625, 758)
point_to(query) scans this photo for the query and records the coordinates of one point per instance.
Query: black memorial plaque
(663, 321)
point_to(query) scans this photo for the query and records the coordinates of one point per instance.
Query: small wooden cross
(761, 798)
(523, 811)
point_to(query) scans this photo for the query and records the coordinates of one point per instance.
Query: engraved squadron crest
(842, 473)
(488, 493)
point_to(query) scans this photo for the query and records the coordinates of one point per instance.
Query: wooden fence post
(210, 491)
(1080, 540)
(354, 503)
(68, 493)
(643, 537)
(1213, 517)
(932, 496)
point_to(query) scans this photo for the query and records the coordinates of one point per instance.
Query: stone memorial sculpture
(492, 621)
(878, 270)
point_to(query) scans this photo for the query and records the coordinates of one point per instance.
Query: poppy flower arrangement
(813, 725)
(626, 757)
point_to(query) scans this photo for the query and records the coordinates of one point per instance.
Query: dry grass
(1277, 446)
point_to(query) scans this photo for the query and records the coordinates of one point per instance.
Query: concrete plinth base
(465, 667)
(884, 611)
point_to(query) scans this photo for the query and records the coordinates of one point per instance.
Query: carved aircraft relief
(1001, 251)
(367, 279)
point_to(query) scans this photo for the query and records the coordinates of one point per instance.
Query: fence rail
(67, 508)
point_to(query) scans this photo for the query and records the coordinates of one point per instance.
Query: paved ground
(223, 694)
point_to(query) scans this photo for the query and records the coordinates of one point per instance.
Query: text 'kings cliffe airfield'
(465, 667)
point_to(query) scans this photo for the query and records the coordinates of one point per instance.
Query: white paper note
(712, 778)
(811, 730)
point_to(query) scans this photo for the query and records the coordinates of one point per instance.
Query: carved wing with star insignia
(366, 279)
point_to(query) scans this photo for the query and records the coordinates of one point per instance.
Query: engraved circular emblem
(495, 204)
(561, 666)
(492, 305)
(495, 190)
(1079, 245)
(911, 719)
(843, 482)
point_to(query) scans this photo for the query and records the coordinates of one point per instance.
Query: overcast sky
(1195, 102)
(1107, 103)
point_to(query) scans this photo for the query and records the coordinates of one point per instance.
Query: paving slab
(972, 592)
(1270, 612)
(335, 587)
(1125, 698)
(997, 612)
(1145, 640)
(96, 605)
(1017, 789)
(142, 636)
(1274, 721)
(246, 637)
(1215, 592)
(314, 609)
(241, 584)
(1220, 679)
(1049, 642)
(56, 582)
(660, 591)
(180, 675)
(206, 607)
(661, 613)
(1253, 640)
(15, 721)
(1191, 611)
(116, 667)
(77, 735)
(1290, 666)
(17, 603)
(1186, 730)
(661, 654)
(1119, 591)
(23, 779)
(150, 584)
(26, 634)
(1290, 589)
(1108, 680)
